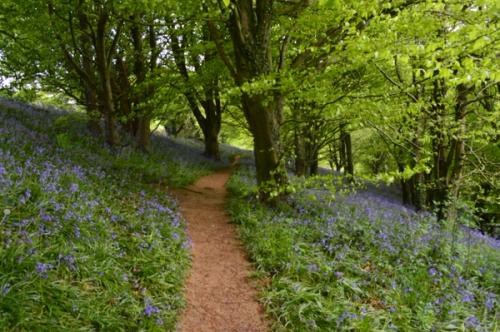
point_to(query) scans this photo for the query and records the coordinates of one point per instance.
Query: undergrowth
(341, 259)
(89, 238)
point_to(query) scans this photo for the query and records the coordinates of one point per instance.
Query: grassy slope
(344, 260)
(86, 242)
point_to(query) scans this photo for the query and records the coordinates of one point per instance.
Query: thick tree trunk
(212, 122)
(313, 162)
(250, 25)
(211, 139)
(270, 173)
(109, 110)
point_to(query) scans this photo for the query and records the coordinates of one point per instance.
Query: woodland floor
(220, 296)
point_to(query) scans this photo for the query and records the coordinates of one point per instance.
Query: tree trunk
(314, 167)
(457, 151)
(142, 112)
(313, 162)
(106, 95)
(144, 132)
(270, 174)
(210, 121)
(300, 154)
(346, 151)
(88, 78)
(211, 144)
(416, 191)
(406, 191)
(350, 163)
(250, 25)
(125, 103)
(93, 115)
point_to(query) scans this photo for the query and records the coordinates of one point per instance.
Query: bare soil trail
(220, 296)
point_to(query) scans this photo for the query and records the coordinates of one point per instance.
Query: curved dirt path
(219, 295)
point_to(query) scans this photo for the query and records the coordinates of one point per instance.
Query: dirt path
(219, 294)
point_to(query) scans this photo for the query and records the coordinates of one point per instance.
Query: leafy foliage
(86, 242)
(340, 258)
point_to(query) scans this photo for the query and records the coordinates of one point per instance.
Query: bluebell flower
(472, 322)
(151, 310)
(490, 301)
(73, 188)
(43, 268)
(313, 268)
(467, 297)
(76, 231)
(5, 289)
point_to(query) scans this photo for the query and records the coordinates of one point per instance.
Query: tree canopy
(401, 90)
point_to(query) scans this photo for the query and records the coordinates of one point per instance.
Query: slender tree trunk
(349, 159)
(300, 153)
(105, 80)
(90, 94)
(439, 192)
(405, 186)
(210, 121)
(144, 132)
(456, 155)
(93, 116)
(124, 91)
(142, 113)
(314, 163)
(346, 151)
